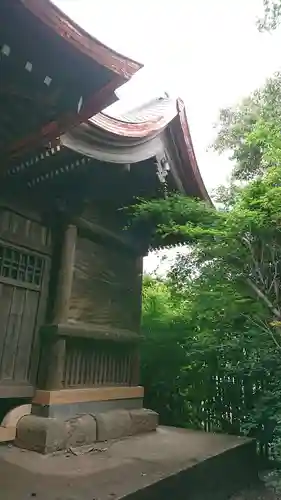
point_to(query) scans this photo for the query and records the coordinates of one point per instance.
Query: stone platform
(167, 464)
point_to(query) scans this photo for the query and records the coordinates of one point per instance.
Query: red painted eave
(63, 26)
(189, 167)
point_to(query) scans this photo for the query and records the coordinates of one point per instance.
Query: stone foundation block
(81, 431)
(113, 425)
(143, 420)
(49, 435)
(44, 435)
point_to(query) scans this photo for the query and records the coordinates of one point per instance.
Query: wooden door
(23, 273)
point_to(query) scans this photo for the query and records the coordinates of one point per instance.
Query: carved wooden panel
(106, 287)
(90, 363)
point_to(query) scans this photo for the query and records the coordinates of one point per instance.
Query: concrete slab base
(49, 435)
(166, 464)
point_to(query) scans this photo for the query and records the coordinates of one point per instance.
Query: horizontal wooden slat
(17, 208)
(65, 396)
(7, 237)
(91, 228)
(16, 391)
(18, 284)
(91, 331)
(17, 229)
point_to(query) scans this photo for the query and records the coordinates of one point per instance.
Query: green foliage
(272, 15)
(211, 358)
(245, 241)
(213, 327)
(226, 196)
(243, 130)
(207, 363)
(162, 353)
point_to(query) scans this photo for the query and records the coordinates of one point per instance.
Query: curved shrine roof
(160, 145)
(149, 130)
(86, 73)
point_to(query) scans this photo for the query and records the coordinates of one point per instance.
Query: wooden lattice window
(21, 266)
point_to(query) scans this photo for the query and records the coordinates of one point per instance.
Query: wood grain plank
(106, 286)
(87, 394)
(6, 294)
(25, 344)
(40, 318)
(12, 334)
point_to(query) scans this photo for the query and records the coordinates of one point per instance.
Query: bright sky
(209, 52)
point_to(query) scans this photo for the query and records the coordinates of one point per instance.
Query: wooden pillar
(136, 362)
(61, 308)
(139, 270)
(64, 286)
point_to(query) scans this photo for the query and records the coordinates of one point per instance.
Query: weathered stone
(143, 420)
(44, 435)
(113, 425)
(48, 435)
(81, 430)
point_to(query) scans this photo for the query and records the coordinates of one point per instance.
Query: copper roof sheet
(153, 111)
(143, 121)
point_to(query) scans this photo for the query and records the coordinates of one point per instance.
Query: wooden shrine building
(70, 277)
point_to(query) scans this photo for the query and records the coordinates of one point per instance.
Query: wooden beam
(136, 360)
(56, 353)
(16, 391)
(67, 396)
(96, 229)
(91, 331)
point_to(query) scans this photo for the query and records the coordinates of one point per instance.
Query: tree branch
(263, 297)
(267, 330)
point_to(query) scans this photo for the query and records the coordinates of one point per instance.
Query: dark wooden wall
(98, 343)
(107, 285)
